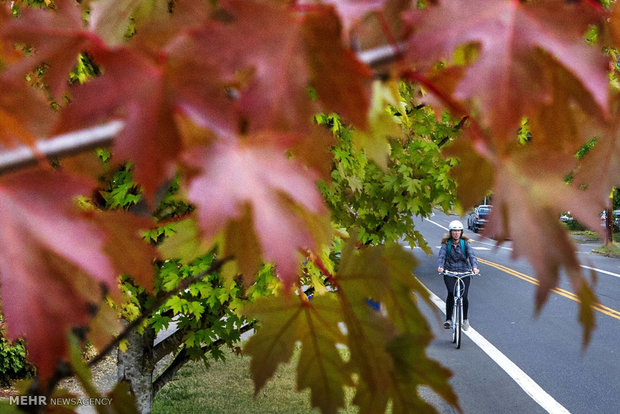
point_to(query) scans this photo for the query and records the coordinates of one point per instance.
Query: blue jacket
(457, 262)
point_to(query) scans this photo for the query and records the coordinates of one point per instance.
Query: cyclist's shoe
(447, 325)
(465, 324)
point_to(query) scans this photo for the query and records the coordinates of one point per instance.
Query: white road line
(606, 272)
(528, 385)
(600, 271)
(436, 224)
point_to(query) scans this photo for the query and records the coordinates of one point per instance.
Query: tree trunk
(136, 366)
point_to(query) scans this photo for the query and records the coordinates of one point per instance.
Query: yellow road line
(570, 295)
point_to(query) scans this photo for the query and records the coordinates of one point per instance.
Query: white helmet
(455, 225)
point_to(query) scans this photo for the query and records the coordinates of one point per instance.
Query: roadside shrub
(575, 225)
(13, 363)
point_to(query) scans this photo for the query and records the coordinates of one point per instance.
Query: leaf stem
(479, 137)
(595, 5)
(385, 27)
(319, 263)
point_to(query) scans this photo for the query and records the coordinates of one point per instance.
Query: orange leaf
(129, 252)
(474, 174)
(25, 115)
(527, 203)
(340, 79)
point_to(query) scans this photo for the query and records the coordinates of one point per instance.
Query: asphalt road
(547, 369)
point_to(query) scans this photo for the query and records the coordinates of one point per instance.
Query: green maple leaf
(286, 320)
(321, 367)
(274, 342)
(389, 354)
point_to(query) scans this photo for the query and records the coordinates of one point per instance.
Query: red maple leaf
(7, 49)
(265, 69)
(149, 93)
(507, 77)
(132, 87)
(46, 252)
(268, 70)
(222, 85)
(235, 175)
(58, 36)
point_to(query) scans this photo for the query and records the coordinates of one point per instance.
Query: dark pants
(450, 282)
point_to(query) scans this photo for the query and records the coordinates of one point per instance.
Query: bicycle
(457, 313)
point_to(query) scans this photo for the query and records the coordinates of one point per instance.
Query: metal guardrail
(61, 145)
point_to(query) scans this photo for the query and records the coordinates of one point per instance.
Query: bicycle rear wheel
(459, 322)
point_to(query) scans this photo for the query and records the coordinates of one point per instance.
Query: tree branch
(160, 301)
(182, 357)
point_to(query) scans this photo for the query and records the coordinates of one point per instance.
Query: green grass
(585, 233)
(612, 250)
(227, 387)
(593, 235)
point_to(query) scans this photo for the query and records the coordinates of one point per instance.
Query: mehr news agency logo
(42, 400)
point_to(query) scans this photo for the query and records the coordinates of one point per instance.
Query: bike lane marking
(600, 271)
(527, 384)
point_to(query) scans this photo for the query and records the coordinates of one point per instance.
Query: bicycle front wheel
(458, 324)
(454, 323)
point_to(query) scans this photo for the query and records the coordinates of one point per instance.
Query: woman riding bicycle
(456, 261)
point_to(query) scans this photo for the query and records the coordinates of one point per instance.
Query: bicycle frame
(457, 313)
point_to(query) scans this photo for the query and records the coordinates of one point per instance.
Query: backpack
(449, 247)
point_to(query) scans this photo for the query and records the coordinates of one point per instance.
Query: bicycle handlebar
(459, 274)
